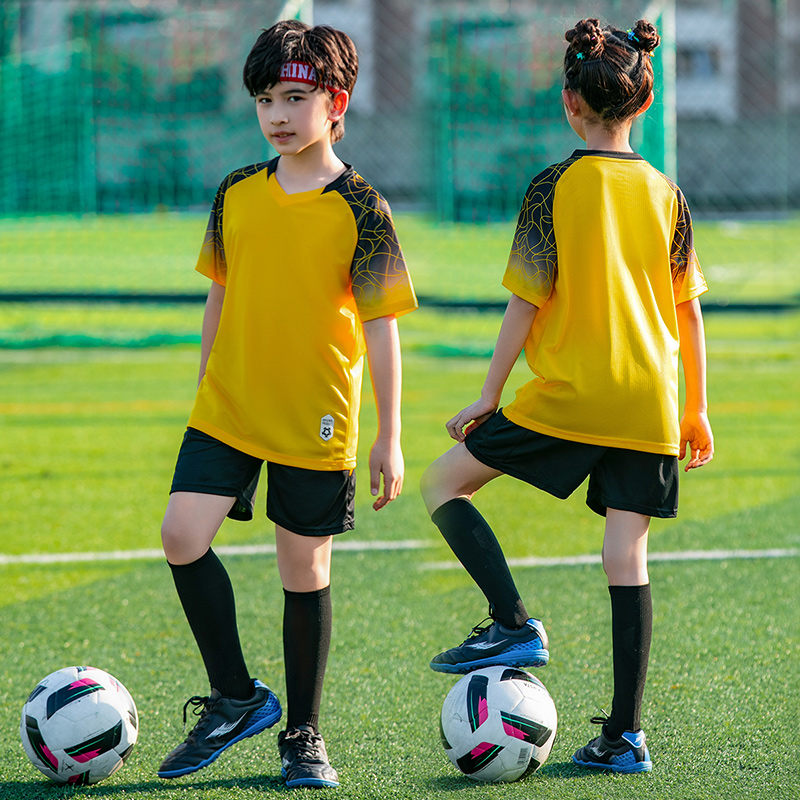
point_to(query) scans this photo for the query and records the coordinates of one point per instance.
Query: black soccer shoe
(628, 754)
(496, 645)
(304, 760)
(223, 722)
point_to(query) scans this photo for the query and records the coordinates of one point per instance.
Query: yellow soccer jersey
(301, 273)
(604, 248)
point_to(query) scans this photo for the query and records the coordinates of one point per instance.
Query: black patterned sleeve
(380, 281)
(533, 262)
(211, 261)
(688, 281)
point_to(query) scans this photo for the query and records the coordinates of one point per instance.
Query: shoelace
(202, 705)
(480, 627)
(305, 744)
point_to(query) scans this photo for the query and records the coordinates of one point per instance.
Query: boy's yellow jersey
(301, 273)
(604, 248)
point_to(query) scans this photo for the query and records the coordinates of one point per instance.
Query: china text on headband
(301, 72)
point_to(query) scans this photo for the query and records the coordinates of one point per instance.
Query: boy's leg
(304, 565)
(447, 488)
(237, 707)
(204, 588)
(625, 563)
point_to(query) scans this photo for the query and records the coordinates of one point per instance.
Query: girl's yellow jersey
(301, 273)
(604, 249)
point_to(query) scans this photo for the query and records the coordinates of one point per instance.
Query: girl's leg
(204, 588)
(304, 563)
(447, 488)
(625, 563)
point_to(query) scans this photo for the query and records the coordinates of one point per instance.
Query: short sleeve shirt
(604, 248)
(301, 273)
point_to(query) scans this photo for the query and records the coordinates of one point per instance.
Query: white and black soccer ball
(79, 725)
(498, 724)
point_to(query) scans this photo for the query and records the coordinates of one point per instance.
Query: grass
(88, 440)
(743, 260)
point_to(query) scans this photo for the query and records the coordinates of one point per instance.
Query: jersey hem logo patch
(326, 428)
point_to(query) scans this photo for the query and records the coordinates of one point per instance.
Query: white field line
(685, 555)
(407, 544)
(230, 550)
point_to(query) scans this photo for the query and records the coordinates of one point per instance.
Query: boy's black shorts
(628, 480)
(305, 501)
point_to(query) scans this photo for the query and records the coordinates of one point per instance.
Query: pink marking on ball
(82, 758)
(512, 731)
(481, 749)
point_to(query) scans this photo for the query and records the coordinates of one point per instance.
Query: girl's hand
(696, 432)
(471, 417)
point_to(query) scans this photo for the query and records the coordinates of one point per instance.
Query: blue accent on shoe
(626, 755)
(316, 783)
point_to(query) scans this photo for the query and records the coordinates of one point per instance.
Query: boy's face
(297, 117)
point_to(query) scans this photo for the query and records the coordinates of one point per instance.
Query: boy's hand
(385, 458)
(471, 417)
(696, 432)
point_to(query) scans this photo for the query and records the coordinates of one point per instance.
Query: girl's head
(610, 69)
(320, 55)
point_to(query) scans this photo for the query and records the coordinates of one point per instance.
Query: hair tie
(632, 37)
(580, 56)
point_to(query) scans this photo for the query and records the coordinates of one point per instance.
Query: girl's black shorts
(628, 480)
(305, 501)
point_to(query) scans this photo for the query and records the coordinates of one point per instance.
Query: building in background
(456, 106)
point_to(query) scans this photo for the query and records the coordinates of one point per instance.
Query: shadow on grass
(46, 790)
(564, 770)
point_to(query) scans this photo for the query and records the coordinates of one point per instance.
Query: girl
(605, 285)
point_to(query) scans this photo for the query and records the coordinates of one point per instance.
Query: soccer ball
(79, 725)
(498, 724)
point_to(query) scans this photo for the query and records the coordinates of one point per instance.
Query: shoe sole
(538, 658)
(260, 726)
(316, 783)
(640, 766)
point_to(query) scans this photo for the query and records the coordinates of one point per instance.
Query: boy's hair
(328, 51)
(611, 69)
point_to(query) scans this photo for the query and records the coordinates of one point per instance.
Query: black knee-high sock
(477, 548)
(206, 595)
(631, 632)
(307, 618)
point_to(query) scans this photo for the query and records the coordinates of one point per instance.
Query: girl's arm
(514, 331)
(386, 457)
(216, 294)
(695, 427)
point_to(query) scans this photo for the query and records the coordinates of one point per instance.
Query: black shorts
(628, 480)
(305, 501)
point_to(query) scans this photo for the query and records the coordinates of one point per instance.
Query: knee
(178, 545)
(625, 571)
(431, 488)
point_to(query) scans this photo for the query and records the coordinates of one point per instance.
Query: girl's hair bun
(643, 36)
(586, 39)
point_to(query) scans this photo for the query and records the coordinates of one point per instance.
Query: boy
(306, 275)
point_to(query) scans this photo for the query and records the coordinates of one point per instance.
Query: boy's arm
(514, 331)
(386, 457)
(695, 427)
(216, 294)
